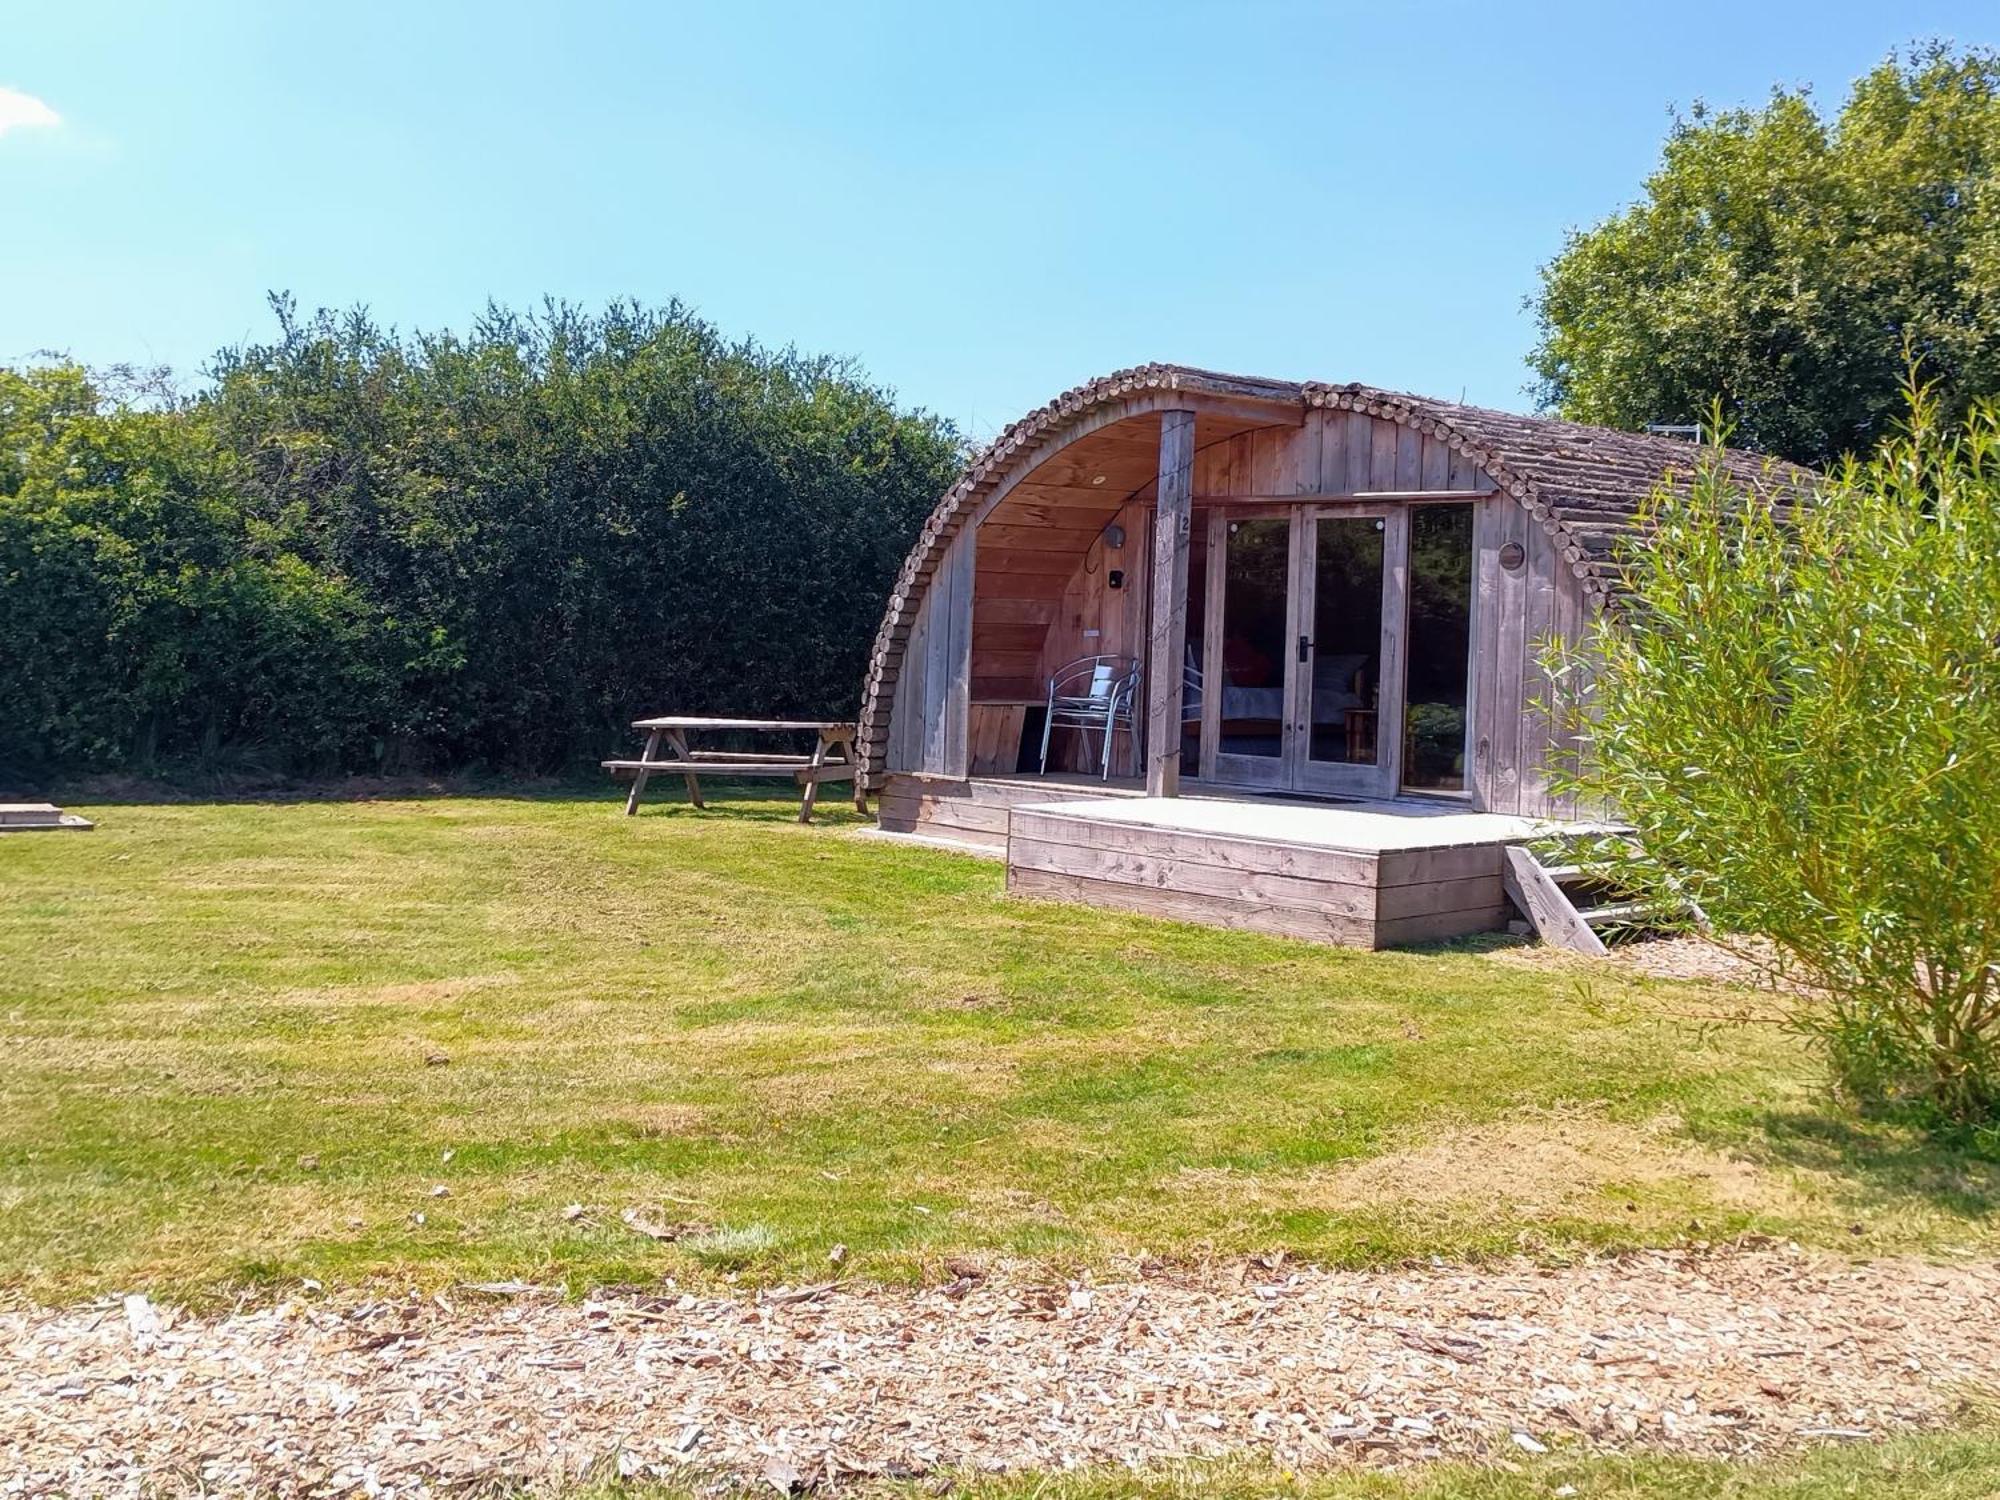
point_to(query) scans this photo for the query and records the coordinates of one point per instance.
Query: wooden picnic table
(833, 759)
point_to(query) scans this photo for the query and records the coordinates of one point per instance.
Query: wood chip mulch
(1731, 1352)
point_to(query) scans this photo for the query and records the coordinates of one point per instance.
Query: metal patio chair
(1092, 692)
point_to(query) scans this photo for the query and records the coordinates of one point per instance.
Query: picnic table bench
(832, 759)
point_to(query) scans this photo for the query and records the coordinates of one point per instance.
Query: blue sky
(983, 204)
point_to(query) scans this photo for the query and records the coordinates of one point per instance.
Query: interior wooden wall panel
(1117, 616)
(993, 738)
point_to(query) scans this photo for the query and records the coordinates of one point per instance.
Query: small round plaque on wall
(1512, 556)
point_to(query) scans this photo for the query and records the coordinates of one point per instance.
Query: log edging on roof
(1411, 412)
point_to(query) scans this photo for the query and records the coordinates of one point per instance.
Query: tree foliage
(1785, 262)
(1799, 710)
(360, 550)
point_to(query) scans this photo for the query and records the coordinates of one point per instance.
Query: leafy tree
(139, 606)
(1785, 262)
(363, 550)
(1799, 709)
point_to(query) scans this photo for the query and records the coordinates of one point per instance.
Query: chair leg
(1104, 760)
(1048, 728)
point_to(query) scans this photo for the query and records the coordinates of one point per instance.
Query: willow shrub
(1798, 708)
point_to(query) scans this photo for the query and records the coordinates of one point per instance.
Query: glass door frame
(1383, 776)
(1293, 769)
(1264, 772)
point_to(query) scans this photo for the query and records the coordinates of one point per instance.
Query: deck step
(1566, 903)
(1628, 914)
(1532, 887)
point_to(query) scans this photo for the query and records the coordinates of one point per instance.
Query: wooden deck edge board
(1190, 877)
(1383, 869)
(1058, 811)
(1276, 921)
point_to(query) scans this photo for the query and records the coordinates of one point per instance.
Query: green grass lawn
(247, 1042)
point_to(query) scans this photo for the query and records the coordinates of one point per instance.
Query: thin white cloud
(19, 111)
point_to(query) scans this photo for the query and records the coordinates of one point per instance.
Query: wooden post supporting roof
(1169, 622)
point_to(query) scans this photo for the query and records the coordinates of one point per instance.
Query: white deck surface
(1363, 827)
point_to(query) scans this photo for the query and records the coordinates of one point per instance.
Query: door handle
(1305, 648)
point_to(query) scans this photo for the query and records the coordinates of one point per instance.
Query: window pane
(1346, 638)
(1440, 642)
(1253, 638)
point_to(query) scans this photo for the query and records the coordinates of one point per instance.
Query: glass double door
(1298, 677)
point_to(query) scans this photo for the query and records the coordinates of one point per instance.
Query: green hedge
(358, 551)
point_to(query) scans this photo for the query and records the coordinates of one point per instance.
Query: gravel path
(1725, 1352)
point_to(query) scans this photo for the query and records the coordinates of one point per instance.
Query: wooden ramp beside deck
(1368, 875)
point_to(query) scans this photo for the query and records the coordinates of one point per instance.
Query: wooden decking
(974, 812)
(1364, 874)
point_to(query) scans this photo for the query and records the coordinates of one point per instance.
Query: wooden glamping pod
(1329, 600)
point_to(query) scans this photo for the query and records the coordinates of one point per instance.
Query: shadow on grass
(1886, 1165)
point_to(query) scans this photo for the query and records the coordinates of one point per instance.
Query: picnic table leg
(812, 787)
(639, 777)
(678, 741)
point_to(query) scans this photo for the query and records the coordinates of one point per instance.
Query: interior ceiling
(1061, 505)
(1034, 541)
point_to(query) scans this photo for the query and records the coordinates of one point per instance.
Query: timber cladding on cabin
(1045, 551)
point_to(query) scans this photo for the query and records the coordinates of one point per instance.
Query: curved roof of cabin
(1582, 485)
